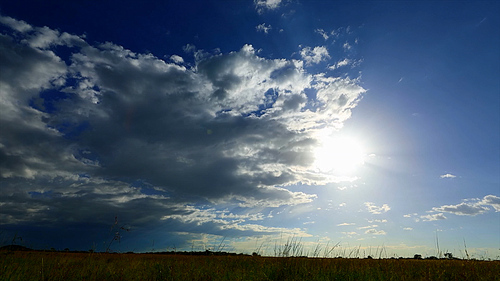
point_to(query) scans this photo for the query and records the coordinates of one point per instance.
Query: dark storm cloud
(78, 133)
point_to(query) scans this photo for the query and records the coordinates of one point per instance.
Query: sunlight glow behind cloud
(192, 123)
(234, 128)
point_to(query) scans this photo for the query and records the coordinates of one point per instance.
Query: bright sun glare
(340, 155)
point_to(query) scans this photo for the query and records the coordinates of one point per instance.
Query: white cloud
(369, 226)
(18, 25)
(189, 214)
(262, 5)
(350, 234)
(379, 221)
(493, 201)
(44, 38)
(345, 224)
(433, 217)
(189, 48)
(470, 207)
(263, 28)
(375, 232)
(410, 215)
(41, 37)
(340, 63)
(462, 209)
(375, 209)
(177, 59)
(322, 33)
(447, 176)
(203, 220)
(408, 228)
(315, 55)
(234, 129)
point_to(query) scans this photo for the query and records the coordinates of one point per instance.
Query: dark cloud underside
(105, 130)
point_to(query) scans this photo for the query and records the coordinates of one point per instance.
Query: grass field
(35, 265)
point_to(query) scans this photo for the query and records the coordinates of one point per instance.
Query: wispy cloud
(263, 28)
(346, 224)
(340, 63)
(369, 226)
(433, 217)
(322, 33)
(378, 221)
(350, 234)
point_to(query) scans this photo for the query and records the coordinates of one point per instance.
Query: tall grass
(105, 266)
(294, 247)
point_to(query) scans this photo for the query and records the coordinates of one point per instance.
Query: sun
(340, 155)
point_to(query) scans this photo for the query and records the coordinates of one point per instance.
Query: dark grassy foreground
(34, 265)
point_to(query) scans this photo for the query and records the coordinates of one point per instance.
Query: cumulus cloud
(493, 201)
(462, 209)
(468, 207)
(447, 176)
(471, 207)
(314, 55)
(177, 59)
(107, 130)
(372, 208)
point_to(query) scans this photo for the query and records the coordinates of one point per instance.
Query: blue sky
(242, 124)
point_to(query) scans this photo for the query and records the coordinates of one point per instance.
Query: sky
(355, 127)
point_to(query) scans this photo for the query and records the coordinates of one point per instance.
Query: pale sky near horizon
(241, 124)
